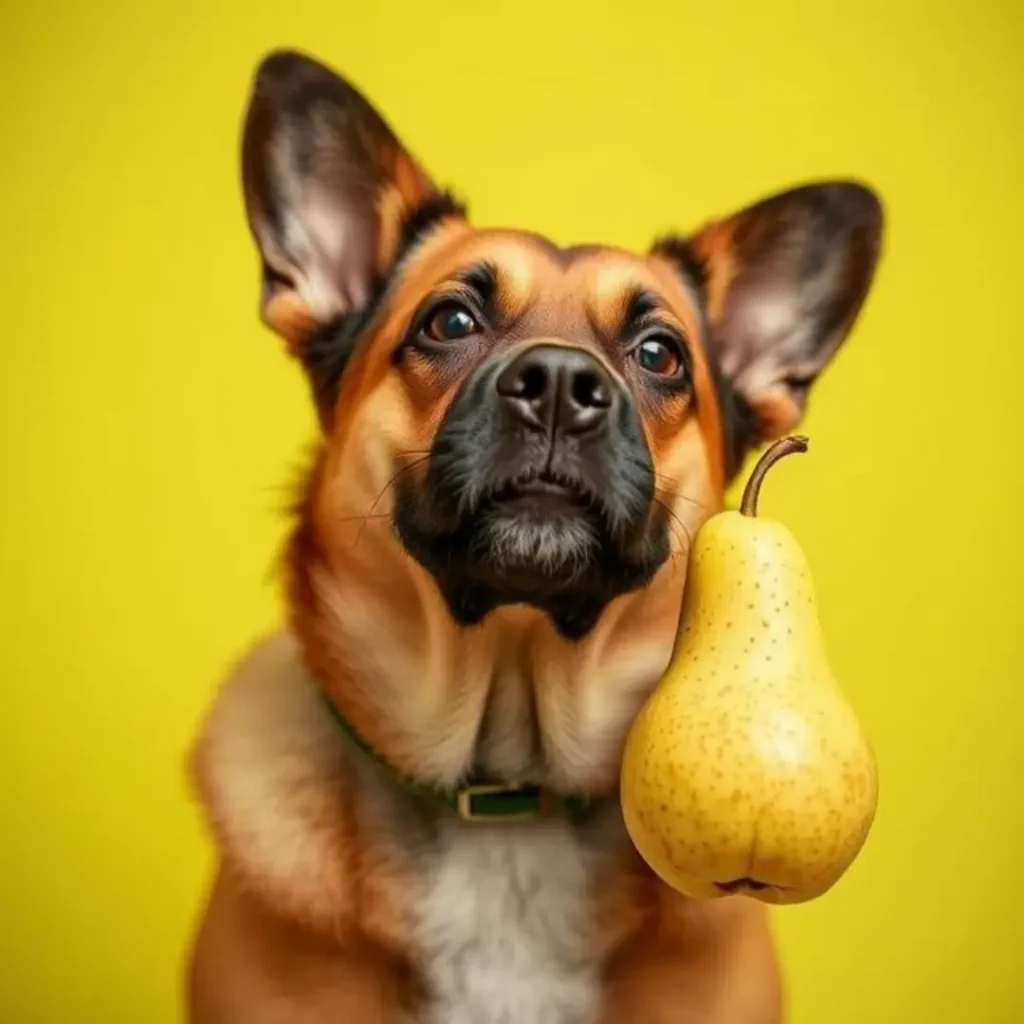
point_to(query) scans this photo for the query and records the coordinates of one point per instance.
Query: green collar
(479, 800)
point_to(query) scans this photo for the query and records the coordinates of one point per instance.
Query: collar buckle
(503, 802)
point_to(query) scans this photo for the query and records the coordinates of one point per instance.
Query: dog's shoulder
(273, 780)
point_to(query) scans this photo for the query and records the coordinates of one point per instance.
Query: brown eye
(450, 323)
(659, 356)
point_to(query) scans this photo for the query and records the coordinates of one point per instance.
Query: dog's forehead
(531, 269)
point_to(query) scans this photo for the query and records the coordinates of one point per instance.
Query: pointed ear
(783, 282)
(327, 188)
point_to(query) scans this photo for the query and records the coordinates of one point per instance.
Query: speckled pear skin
(746, 770)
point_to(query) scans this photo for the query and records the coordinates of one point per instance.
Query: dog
(412, 787)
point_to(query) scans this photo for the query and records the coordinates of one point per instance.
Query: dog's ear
(327, 189)
(782, 283)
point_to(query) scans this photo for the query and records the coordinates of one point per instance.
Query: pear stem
(783, 447)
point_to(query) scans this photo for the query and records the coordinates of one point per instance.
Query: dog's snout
(556, 388)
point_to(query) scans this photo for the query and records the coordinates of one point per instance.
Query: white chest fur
(505, 927)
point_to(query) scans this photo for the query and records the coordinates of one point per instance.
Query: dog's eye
(660, 356)
(450, 322)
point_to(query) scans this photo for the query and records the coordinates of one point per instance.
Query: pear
(746, 771)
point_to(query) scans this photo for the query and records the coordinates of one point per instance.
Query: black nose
(556, 388)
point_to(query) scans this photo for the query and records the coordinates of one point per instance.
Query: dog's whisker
(680, 497)
(370, 515)
(376, 501)
(682, 526)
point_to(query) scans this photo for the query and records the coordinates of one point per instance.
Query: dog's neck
(510, 697)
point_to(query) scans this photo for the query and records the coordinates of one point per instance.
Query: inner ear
(328, 187)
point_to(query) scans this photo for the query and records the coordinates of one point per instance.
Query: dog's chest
(505, 925)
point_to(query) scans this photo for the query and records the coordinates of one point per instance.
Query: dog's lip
(545, 486)
(537, 486)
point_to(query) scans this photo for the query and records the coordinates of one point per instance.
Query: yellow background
(150, 426)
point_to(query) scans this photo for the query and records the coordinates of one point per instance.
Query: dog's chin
(547, 557)
(554, 552)
(536, 552)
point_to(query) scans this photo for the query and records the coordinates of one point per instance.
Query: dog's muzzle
(539, 489)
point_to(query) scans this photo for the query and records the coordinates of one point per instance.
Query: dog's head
(535, 423)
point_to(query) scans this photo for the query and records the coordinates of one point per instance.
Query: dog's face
(538, 425)
(561, 382)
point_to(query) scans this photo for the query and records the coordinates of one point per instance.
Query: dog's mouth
(537, 533)
(547, 525)
(543, 491)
